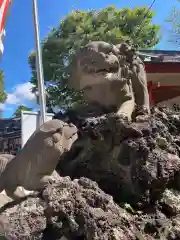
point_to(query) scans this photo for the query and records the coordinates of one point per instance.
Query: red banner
(4, 5)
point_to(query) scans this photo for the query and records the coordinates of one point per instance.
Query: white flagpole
(39, 66)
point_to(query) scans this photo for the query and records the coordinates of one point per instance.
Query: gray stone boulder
(120, 181)
(134, 162)
(79, 209)
(76, 209)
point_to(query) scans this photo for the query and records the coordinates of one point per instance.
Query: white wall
(30, 121)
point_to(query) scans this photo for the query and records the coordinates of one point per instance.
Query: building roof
(162, 67)
(9, 122)
(15, 134)
(160, 55)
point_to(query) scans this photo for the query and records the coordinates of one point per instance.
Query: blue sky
(19, 40)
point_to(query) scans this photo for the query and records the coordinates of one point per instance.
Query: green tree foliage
(3, 95)
(20, 108)
(77, 29)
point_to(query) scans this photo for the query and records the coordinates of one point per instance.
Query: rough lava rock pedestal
(137, 166)
(79, 209)
(134, 162)
(72, 209)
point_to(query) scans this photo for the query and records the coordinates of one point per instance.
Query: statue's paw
(123, 116)
(51, 180)
(143, 118)
(47, 180)
(142, 114)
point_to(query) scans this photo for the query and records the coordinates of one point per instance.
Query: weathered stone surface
(111, 75)
(33, 166)
(137, 164)
(74, 209)
(23, 221)
(79, 209)
(132, 162)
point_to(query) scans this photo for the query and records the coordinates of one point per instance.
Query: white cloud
(21, 93)
(3, 107)
(12, 99)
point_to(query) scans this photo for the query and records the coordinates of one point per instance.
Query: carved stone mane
(102, 72)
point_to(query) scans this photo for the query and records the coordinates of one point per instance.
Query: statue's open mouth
(103, 70)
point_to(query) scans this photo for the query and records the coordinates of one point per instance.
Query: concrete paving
(4, 199)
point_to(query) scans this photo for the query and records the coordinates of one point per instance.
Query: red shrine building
(163, 74)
